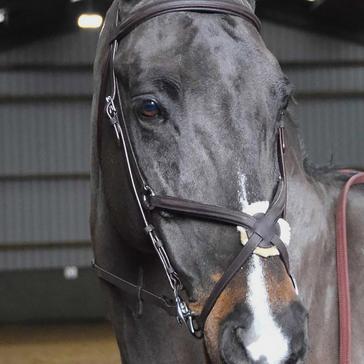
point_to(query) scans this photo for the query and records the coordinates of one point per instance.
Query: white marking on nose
(264, 338)
(261, 207)
(243, 199)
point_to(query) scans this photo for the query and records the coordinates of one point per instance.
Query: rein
(342, 266)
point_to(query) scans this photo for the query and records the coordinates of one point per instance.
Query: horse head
(203, 98)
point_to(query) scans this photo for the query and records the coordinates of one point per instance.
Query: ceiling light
(3, 14)
(89, 21)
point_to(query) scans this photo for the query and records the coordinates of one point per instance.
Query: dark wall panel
(50, 81)
(39, 257)
(46, 296)
(292, 44)
(69, 49)
(328, 75)
(44, 211)
(44, 137)
(45, 100)
(334, 131)
(328, 79)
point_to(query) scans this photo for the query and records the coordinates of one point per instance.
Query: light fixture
(3, 15)
(316, 3)
(90, 21)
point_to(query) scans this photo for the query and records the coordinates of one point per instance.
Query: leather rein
(262, 228)
(342, 266)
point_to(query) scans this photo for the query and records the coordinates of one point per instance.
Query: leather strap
(262, 229)
(201, 211)
(343, 269)
(171, 6)
(139, 292)
(228, 275)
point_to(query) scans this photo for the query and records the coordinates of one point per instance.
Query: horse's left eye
(149, 109)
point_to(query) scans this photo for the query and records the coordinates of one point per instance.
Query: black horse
(203, 99)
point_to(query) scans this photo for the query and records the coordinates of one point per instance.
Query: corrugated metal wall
(45, 90)
(45, 99)
(329, 77)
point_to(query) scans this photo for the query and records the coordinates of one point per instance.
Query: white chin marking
(264, 338)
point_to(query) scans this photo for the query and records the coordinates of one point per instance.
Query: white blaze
(243, 199)
(264, 338)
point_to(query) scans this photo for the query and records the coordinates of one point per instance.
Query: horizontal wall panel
(291, 44)
(44, 138)
(47, 258)
(333, 131)
(44, 295)
(44, 83)
(71, 48)
(44, 211)
(333, 79)
(287, 43)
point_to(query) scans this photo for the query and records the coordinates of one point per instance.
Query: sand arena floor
(58, 344)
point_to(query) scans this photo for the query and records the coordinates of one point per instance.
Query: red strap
(343, 270)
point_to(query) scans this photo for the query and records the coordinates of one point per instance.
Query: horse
(204, 100)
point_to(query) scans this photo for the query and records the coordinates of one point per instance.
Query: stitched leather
(169, 6)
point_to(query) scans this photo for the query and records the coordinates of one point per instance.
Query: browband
(164, 7)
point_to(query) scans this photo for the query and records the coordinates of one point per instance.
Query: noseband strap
(262, 229)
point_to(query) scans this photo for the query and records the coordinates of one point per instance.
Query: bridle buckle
(111, 110)
(185, 316)
(148, 192)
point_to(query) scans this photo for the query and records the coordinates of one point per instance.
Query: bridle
(263, 228)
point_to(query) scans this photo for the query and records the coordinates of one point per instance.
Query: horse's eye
(149, 109)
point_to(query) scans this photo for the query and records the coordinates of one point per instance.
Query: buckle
(185, 316)
(148, 192)
(111, 111)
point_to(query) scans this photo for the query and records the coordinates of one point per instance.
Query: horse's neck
(311, 214)
(310, 211)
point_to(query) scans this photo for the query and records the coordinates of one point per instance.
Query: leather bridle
(263, 228)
